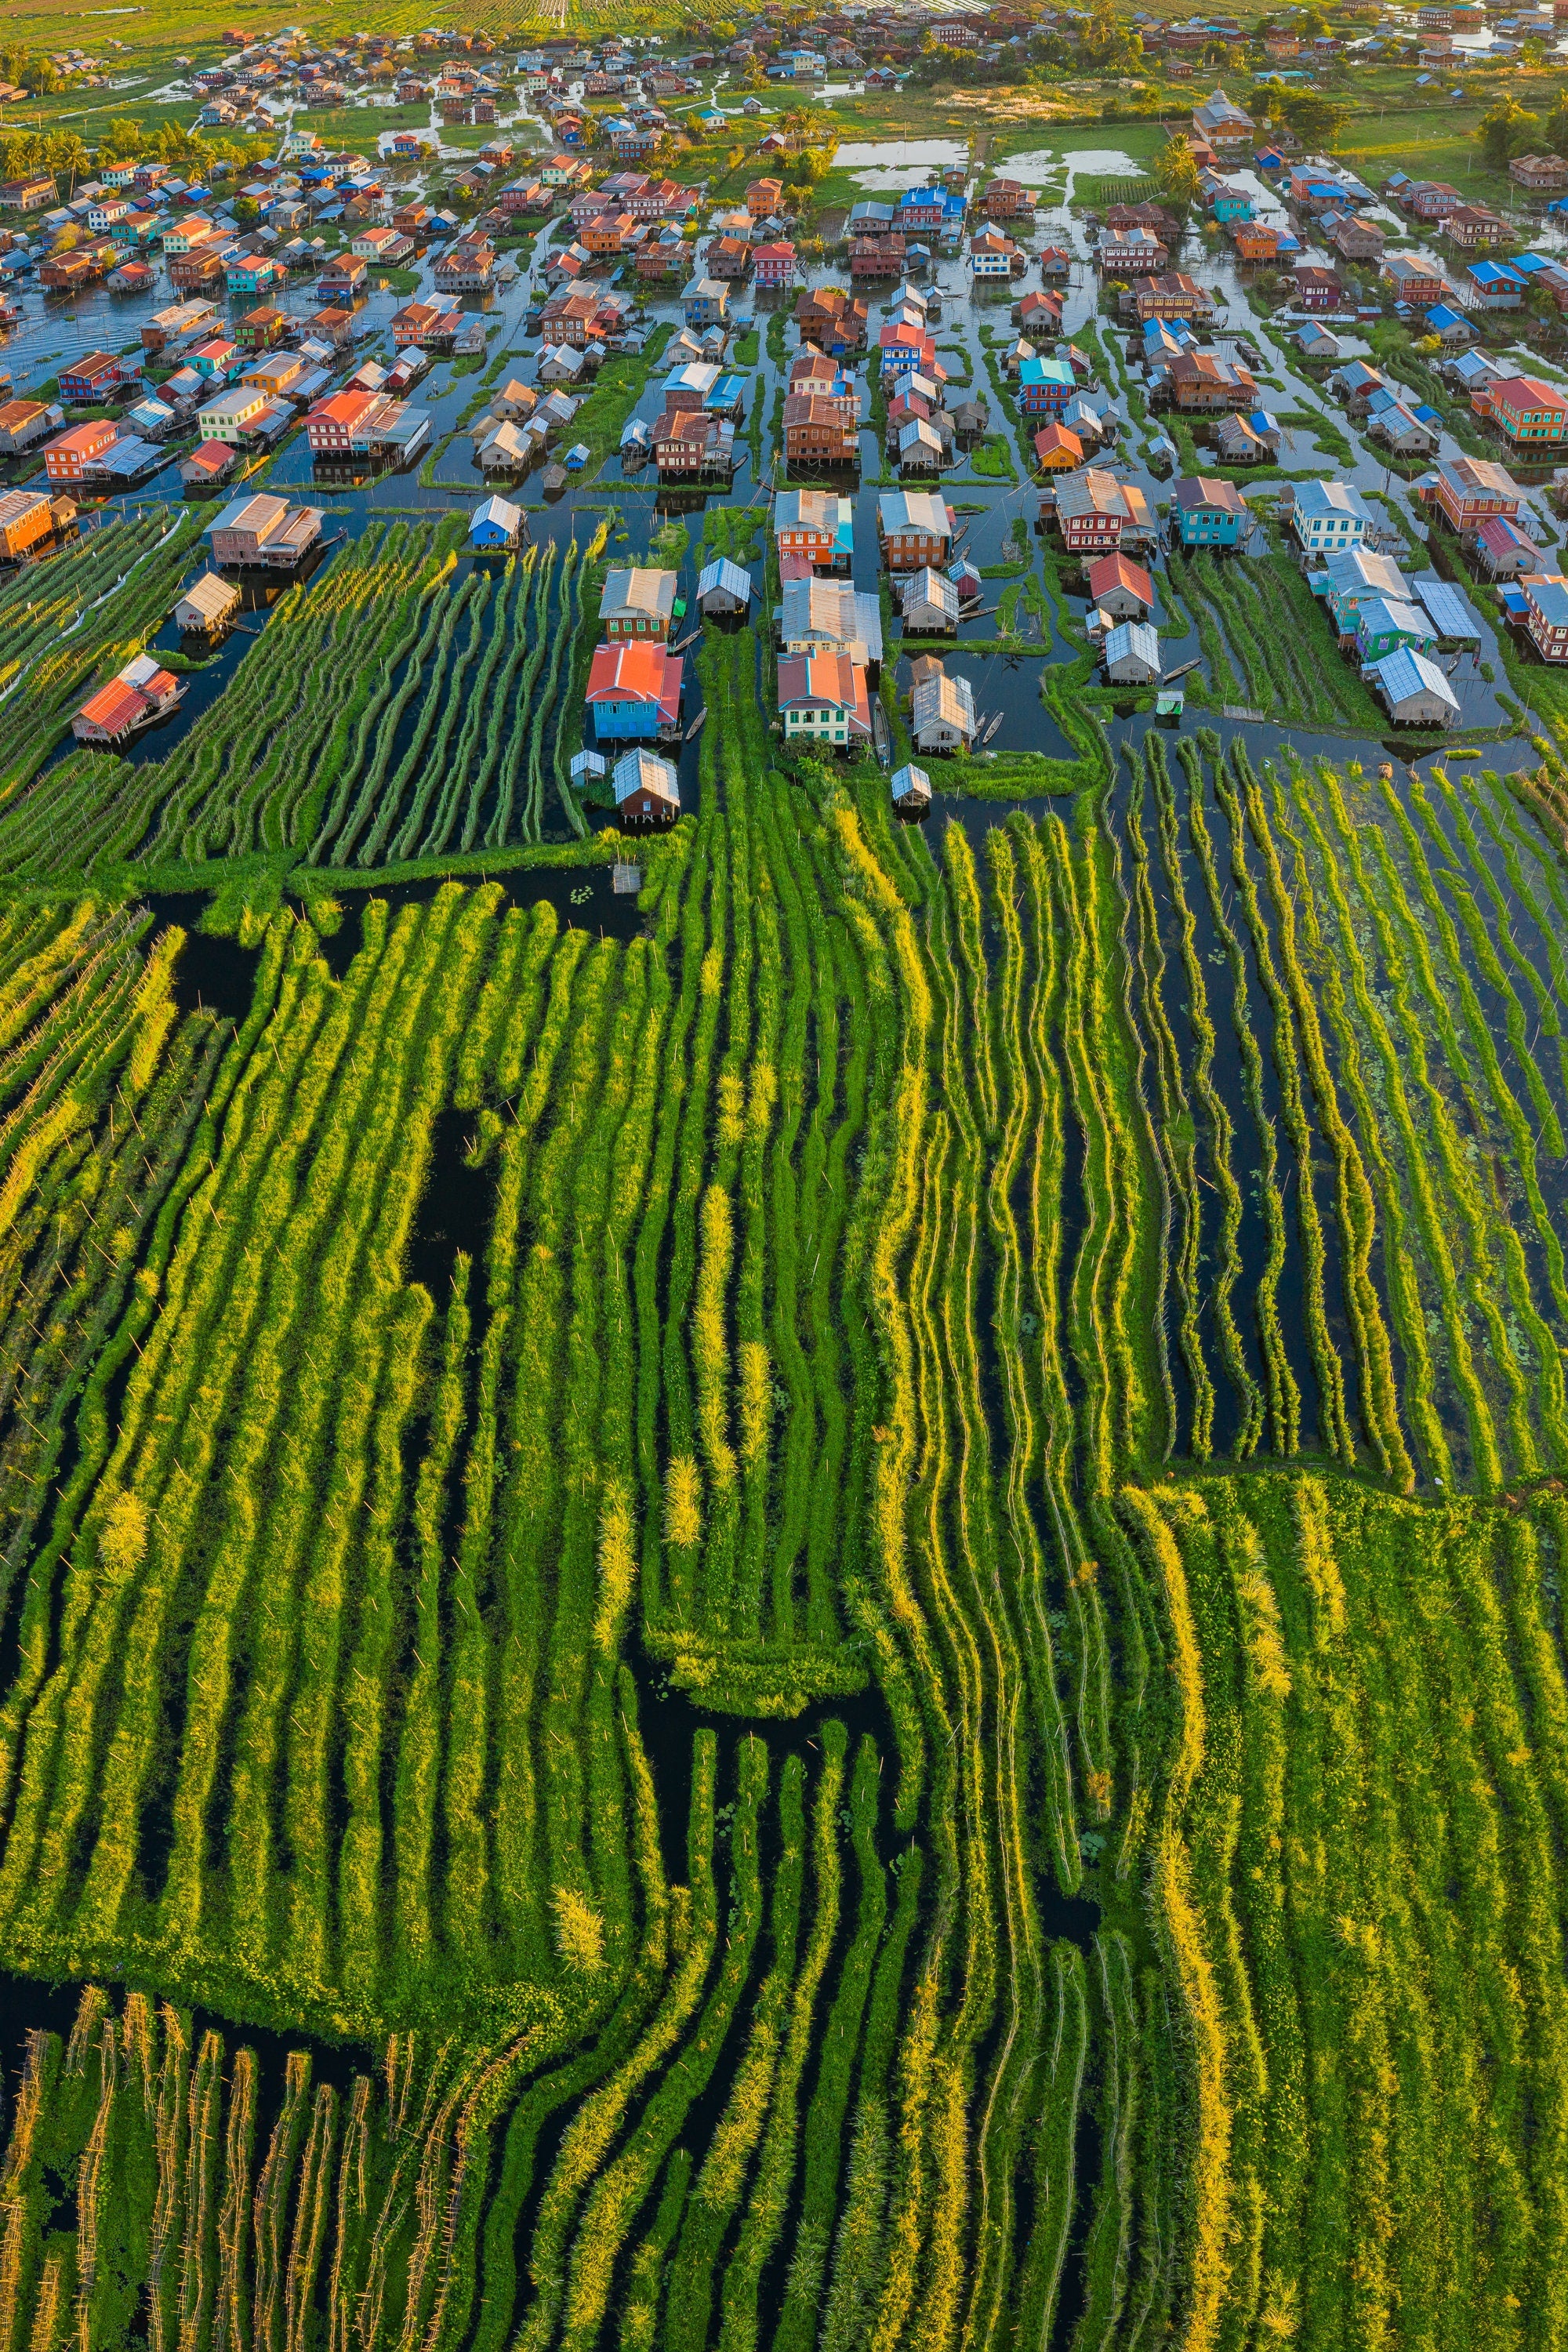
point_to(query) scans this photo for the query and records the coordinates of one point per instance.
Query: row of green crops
(1375, 1052)
(220, 2205)
(1356, 1884)
(608, 1510)
(70, 624)
(394, 709)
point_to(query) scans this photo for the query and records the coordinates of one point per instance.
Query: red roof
(342, 408)
(637, 672)
(1118, 572)
(113, 707)
(826, 679)
(1499, 536)
(211, 457)
(83, 440)
(1519, 393)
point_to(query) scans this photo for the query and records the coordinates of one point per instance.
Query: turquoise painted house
(1209, 514)
(1045, 386)
(1381, 626)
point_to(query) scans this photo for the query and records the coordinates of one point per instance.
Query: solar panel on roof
(1446, 608)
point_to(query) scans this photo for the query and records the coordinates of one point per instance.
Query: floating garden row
(393, 709)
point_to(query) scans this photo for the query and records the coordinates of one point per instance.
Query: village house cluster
(228, 369)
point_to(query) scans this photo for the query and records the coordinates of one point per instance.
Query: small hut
(724, 587)
(911, 788)
(206, 604)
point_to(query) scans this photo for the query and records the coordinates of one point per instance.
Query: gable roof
(1405, 672)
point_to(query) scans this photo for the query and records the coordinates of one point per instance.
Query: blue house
(1497, 287)
(496, 525)
(1045, 386)
(634, 692)
(1229, 204)
(1209, 514)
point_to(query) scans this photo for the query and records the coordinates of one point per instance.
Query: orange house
(1254, 241)
(1057, 451)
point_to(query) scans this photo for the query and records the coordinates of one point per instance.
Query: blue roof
(1550, 598)
(1136, 639)
(1445, 608)
(1440, 316)
(1406, 672)
(1426, 415)
(1527, 264)
(1379, 615)
(1494, 273)
(1045, 372)
(1314, 499)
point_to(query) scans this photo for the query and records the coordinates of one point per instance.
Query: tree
(1555, 128)
(1313, 117)
(122, 142)
(1506, 130)
(1107, 44)
(1177, 174)
(66, 156)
